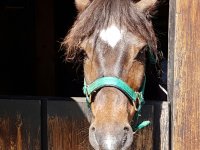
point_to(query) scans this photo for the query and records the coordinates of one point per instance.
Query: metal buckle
(140, 100)
(135, 106)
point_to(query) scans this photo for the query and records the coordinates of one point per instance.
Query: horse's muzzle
(107, 137)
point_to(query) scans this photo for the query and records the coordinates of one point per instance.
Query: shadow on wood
(68, 126)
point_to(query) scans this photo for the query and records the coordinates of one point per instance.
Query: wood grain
(143, 140)
(161, 125)
(68, 123)
(20, 125)
(184, 71)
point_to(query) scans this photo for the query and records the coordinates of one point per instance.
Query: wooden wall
(62, 124)
(184, 73)
(20, 124)
(68, 126)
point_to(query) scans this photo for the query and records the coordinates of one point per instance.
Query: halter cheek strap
(88, 90)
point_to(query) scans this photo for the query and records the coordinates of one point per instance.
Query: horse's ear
(82, 4)
(146, 5)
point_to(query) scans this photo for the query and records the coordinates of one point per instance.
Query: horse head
(114, 36)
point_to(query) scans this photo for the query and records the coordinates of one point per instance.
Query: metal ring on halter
(135, 106)
(140, 100)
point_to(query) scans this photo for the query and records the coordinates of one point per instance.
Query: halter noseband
(117, 83)
(88, 90)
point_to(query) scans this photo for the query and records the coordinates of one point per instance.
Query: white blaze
(112, 35)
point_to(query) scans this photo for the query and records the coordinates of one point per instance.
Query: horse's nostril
(124, 140)
(93, 129)
(126, 129)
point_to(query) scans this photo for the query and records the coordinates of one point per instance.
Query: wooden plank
(67, 126)
(143, 139)
(184, 74)
(68, 123)
(171, 41)
(161, 125)
(20, 125)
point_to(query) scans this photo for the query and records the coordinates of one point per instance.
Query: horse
(114, 37)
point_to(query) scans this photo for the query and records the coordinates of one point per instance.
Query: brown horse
(114, 35)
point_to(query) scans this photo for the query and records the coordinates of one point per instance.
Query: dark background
(31, 62)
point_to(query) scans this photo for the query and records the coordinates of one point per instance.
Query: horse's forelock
(99, 15)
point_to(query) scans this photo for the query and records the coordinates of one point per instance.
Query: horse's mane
(99, 14)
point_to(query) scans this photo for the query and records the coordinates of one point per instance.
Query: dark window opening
(19, 57)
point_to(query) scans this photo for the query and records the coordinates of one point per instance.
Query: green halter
(88, 90)
(122, 86)
(117, 83)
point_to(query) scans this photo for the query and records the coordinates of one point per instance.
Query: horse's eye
(83, 55)
(141, 55)
(144, 49)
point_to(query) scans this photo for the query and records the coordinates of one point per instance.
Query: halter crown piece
(133, 96)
